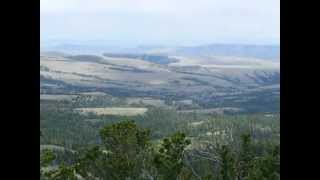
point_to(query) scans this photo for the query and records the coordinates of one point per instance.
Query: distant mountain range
(267, 52)
(254, 51)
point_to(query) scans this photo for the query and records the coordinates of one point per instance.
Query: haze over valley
(159, 89)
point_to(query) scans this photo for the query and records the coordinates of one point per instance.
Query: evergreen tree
(228, 164)
(169, 159)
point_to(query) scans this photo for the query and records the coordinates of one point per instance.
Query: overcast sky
(167, 22)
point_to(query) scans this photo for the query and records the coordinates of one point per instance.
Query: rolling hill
(209, 81)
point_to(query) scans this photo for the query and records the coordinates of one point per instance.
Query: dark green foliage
(124, 149)
(169, 159)
(126, 152)
(266, 167)
(160, 127)
(46, 157)
(62, 173)
(246, 155)
(66, 128)
(124, 136)
(267, 100)
(228, 164)
(248, 164)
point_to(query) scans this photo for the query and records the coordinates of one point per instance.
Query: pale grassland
(146, 101)
(54, 148)
(198, 123)
(57, 97)
(117, 111)
(212, 110)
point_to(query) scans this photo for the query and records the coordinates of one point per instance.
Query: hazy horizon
(165, 23)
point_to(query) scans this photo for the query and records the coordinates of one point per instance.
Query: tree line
(127, 152)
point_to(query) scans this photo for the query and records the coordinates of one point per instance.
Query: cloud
(178, 21)
(162, 6)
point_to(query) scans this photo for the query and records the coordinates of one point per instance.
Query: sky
(160, 22)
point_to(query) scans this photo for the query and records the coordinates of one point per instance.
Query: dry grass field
(117, 111)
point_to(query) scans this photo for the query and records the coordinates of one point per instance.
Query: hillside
(209, 81)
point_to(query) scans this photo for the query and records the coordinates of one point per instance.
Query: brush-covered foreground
(126, 151)
(162, 143)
